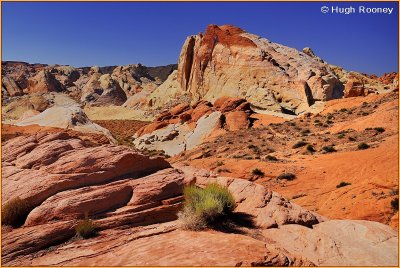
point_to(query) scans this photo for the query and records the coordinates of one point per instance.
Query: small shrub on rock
(204, 206)
(271, 158)
(86, 228)
(310, 148)
(329, 149)
(14, 212)
(343, 184)
(363, 146)
(257, 172)
(395, 204)
(299, 144)
(379, 129)
(286, 176)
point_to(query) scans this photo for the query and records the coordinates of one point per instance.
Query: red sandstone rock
(237, 120)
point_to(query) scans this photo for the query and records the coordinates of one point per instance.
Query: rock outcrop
(44, 82)
(227, 61)
(133, 201)
(103, 90)
(66, 117)
(184, 126)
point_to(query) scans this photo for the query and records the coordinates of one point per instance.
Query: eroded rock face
(227, 61)
(43, 82)
(133, 201)
(184, 127)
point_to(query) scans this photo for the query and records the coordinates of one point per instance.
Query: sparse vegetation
(257, 172)
(203, 207)
(299, 144)
(86, 228)
(305, 132)
(352, 139)
(343, 110)
(341, 136)
(379, 129)
(329, 149)
(363, 146)
(254, 148)
(395, 204)
(310, 148)
(271, 158)
(298, 196)
(220, 170)
(219, 163)
(14, 212)
(329, 116)
(343, 184)
(286, 176)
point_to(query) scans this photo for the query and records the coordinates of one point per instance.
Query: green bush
(86, 228)
(219, 163)
(286, 176)
(299, 144)
(363, 146)
(329, 149)
(343, 184)
(14, 212)
(257, 172)
(341, 136)
(203, 206)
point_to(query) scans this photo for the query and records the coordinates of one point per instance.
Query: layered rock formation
(184, 127)
(101, 86)
(227, 61)
(134, 201)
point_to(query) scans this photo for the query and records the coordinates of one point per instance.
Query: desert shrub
(368, 128)
(363, 146)
(14, 212)
(223, 170)
(352, 139)
(85, 228)
(329, 122)
(254, 148)
(330, 116)
(293, 124)
(286, 176)
(341, 136)
(310, 148)
(305, 132)
(343, 110)
(271, 158)
(257, 172)
(395, 204)
(298, 196)
(364, 113)
(343, 184)
(299, 144)
(219, 163)
(203, 206)
(329, 149)
(379, 129)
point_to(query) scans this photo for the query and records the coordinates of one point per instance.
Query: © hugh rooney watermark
(356, 10)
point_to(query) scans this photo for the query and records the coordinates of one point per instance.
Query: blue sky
(119, 33)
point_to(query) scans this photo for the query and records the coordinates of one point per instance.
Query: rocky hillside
(227, 61)
(101, 86)
(133, 201)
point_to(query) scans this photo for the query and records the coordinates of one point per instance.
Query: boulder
(44, 82)
(11, 87)
(102, 90)
(236, 120)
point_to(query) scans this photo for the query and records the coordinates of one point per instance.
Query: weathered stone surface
(227, 61)
(11, 87)
(237, 120)
(43, 82)
(68, 117)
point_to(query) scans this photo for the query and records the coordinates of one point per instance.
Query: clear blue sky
(85, 34)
